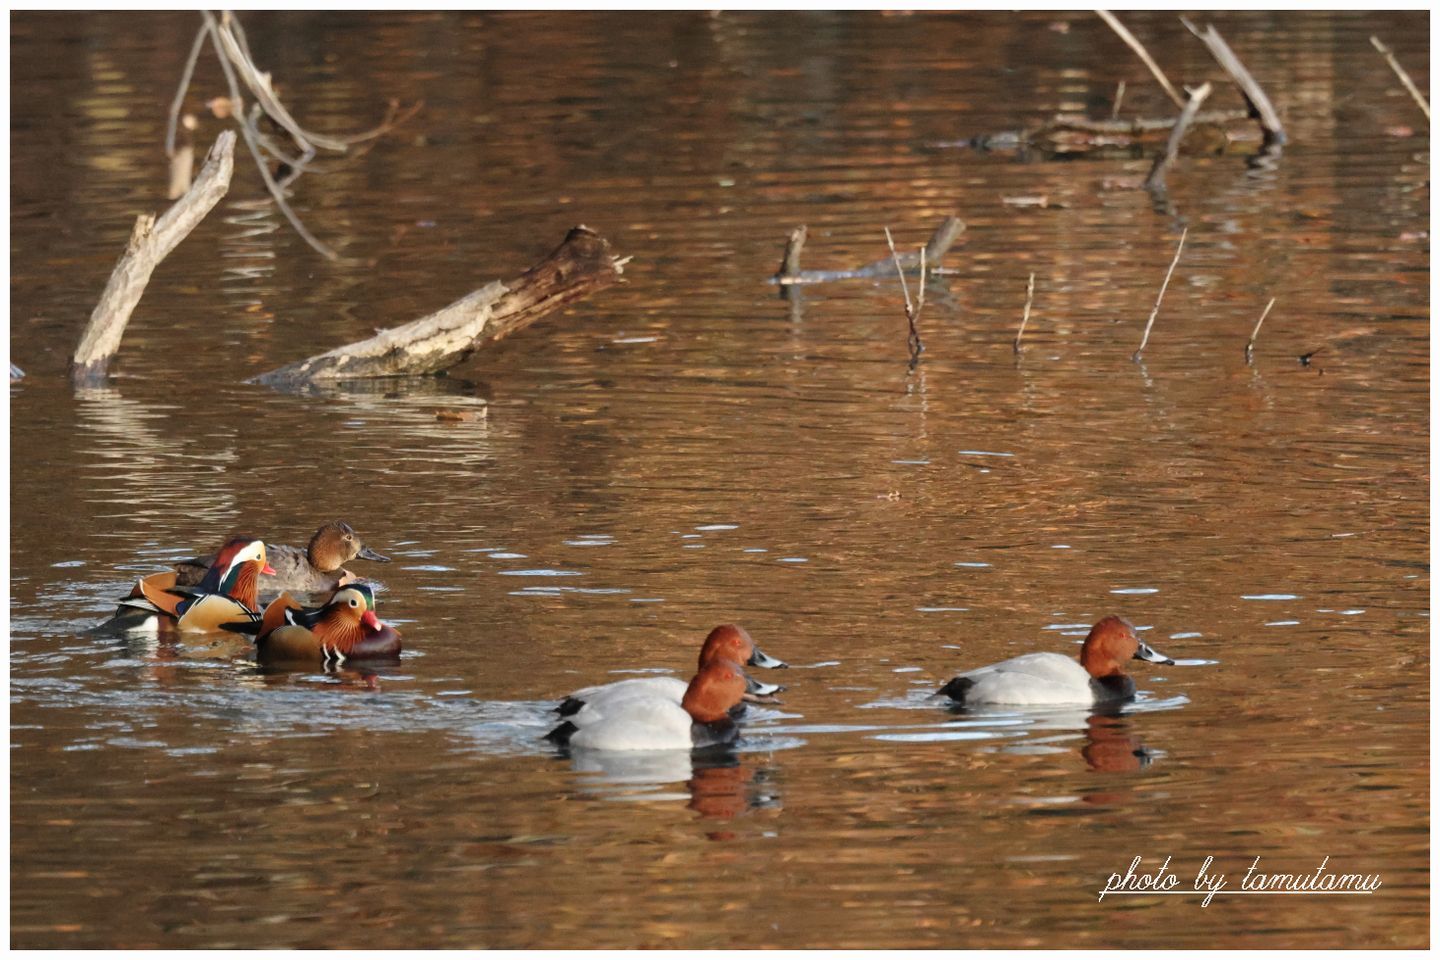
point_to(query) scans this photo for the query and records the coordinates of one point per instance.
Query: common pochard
(1053, 679)
(725, 642)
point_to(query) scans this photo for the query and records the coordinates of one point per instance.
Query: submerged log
(150, 242)
(580, 266)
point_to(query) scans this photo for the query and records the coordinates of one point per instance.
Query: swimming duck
(318, 568)
(345, 628)
(1053, 679)
(653, 722)
(727, 642)
(226, 597)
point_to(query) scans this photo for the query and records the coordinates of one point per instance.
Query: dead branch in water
(912, 310)
(580, 266)
(1119, 97)
(1250, 347)
(1153, 313)
(1155, 182)
(1404, 77)
(227, 39)
(1260, 106)
(150, 242)
(935, 249)
(1025, 317)
(1143, 54)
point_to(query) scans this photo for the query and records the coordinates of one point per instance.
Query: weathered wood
(150, 243)
(936, 247)
(1155, 182)
(580, 266)
(1260, 106)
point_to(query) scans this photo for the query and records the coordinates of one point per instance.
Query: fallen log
(150, 242)
(580, 266)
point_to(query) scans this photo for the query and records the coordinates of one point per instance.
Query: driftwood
(1250, 346)
(580, 266)
(150, 242)
(1260, 106)
(935, 249)
(1025, 317)
(1155, 182)
(1076, 133)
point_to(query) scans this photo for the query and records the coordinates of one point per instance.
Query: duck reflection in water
(720, 785)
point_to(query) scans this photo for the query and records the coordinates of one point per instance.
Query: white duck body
(642, 721)
(1032, 680)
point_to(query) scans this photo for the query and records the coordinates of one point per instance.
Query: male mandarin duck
(652, 721)
(345, 628)
(319, 568)
(1053, 679)
(226, 597)
(725, 642)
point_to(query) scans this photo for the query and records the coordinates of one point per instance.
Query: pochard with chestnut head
(725, 642)
(1054, 680)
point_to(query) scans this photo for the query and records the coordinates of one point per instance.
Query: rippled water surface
(689, 449)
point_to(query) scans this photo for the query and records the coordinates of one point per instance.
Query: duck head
(237, 569)
(335, 545)
(1110, 643)
(730, 642)
(716, 689)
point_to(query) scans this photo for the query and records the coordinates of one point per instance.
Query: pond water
(689, 449)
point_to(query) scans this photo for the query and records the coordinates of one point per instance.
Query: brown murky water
(689, 449)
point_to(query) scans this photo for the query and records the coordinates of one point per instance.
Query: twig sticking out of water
(790, 265)
(1404, 77)
(1260, 106)
(1119, 96)
(1025, 318)
(1153, 313)
(150, 242)
(1155, 182)
(1250, 347)
(912, 310)
(1143, 54)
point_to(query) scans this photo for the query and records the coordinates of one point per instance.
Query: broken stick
(912, 309)
(1155, 182)
(150, 242)
(580, 266)
(1260, 106)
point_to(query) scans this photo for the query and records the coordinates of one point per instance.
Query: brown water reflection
(687, 449)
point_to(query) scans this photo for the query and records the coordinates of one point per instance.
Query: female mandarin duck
(345, 628)
(725, 642)
(1053, 679)
(319, 568)
(226, 597)
(654, 722)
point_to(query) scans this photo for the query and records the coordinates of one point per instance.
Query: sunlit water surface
(690, 449)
